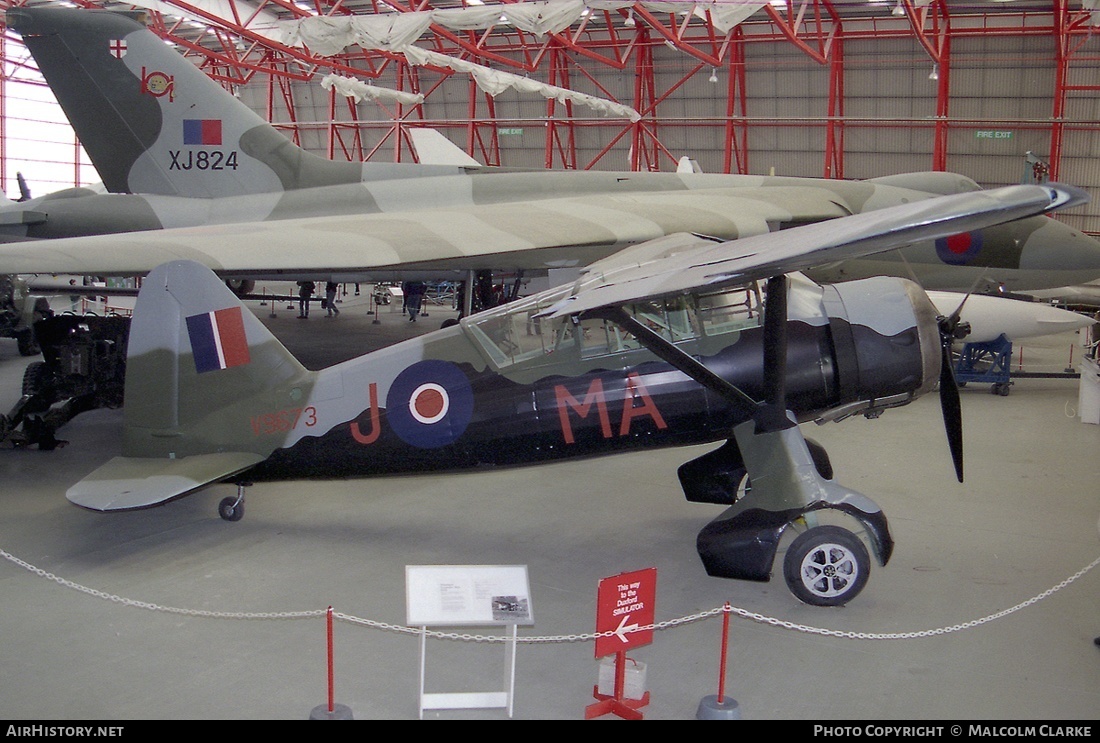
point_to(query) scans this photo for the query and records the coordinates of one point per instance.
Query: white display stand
(468, 595)
(1088, 393)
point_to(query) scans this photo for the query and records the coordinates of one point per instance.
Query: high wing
(677, 264)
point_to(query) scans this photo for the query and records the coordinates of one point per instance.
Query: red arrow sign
(625, 602)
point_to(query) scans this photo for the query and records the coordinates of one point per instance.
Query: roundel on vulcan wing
(959, 250)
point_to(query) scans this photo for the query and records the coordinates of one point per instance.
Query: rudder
(195, 351)
(199, 366)
(151, 121)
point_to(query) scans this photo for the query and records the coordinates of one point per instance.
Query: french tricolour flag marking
(218, 340)
(202, 131)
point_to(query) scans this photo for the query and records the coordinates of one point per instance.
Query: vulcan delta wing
(177, 151)
(697, 356)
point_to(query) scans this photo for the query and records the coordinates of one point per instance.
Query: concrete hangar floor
(152, 615)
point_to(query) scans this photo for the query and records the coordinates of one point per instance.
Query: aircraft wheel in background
(231, 509)
(35, 377)
(241, 287)
(826, 566)
(27, 343)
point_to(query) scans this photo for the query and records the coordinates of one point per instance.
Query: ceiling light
(898, 10)
(629, 22)
(935, 74)
(713, 75)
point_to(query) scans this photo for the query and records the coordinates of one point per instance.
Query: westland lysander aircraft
(670, 342)
(176, 150)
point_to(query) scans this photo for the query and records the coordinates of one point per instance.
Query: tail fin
(435, 149)
(201, 371)
(151, 121)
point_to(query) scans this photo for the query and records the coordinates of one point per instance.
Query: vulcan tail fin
(209, 390)
(151, 121)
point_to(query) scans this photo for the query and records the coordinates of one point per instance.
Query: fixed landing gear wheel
(27, 343)
(231, 509)
(826, 566)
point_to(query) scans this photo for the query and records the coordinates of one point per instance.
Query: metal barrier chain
(744, 613)
(155, 607)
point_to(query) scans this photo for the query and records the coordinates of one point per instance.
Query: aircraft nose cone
(1064, 254)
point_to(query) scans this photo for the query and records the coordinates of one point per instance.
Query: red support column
(330, 147)
(567, 148)
(943, 100)
(4, 149)
(1061, 75)
(645, 129)
(932, 26)
(834, 127)
(735, 148)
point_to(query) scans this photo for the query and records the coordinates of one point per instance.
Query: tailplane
(208, 391)
(432, 148)
(151, 121)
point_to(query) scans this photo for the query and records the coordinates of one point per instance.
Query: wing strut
(775, 342)
(667, 351)
(772, 415)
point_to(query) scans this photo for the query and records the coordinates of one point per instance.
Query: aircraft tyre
(241, 287)
(27, 343)
(826, 566)
(231, 509)
(35, 377)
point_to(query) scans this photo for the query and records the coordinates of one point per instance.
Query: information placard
(467, 595)
(624, 603)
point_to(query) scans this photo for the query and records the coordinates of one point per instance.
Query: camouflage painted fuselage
(506, 387)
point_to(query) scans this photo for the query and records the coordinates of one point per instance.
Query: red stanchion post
(331, 673)
(717, 707)
(725, 647)
(332, 710)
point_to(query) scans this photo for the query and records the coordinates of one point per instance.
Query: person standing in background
(330, 299)
(305, 291)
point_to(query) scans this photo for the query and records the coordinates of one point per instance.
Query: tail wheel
(826, 566)
(231, 509)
